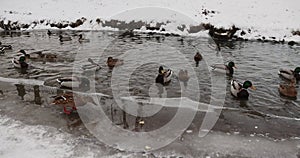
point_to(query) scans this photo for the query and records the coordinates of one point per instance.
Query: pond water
(266, 125)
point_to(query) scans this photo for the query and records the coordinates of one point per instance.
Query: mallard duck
(290, 74)
(288, 90)
(40, 56)
(62, 39)
(111, 62)
(81, 83)
(81, 39)
(2, 50)
(197, 58)
(183, 75)
(65, 100)
(20, 61)
(5, 47)
(94, 66)
(49, 33)
(164, 76)
(228, 69)
(240, 91)
(222, 34)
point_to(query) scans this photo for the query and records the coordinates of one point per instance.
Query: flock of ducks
(164, 76)
(238, 90)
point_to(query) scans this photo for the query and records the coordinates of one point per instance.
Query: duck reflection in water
(21, 90)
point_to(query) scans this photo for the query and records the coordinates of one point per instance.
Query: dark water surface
(266, 125)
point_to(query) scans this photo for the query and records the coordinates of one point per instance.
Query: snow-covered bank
(20, 140)
(267, 19)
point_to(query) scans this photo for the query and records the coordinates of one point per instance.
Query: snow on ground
(266, 18)
(26, 141)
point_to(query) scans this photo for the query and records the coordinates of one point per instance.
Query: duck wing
(219, 66)
(235, 88)
(286, 73)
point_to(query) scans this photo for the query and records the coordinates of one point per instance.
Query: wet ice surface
(266, 125)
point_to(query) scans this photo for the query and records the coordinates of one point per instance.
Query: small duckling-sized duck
(111, 62)
(66, 38)
(81, 39)
(5, 47)
(164, 76)
(21, 61)
(290, 74)
(197, 58)
(288, 90)
(80, 83)
(228, 69)
(40, 56)
(240, 91)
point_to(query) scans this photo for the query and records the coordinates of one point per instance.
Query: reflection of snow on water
(20, 140)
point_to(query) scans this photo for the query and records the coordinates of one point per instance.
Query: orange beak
(253, 87)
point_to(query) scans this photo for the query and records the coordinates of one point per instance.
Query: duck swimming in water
(5, 47)
(290, 74)
(228, 69)
(111, 62)
(81, 39)
(197, 58)
(240, 91)
(20, 61)
(80, 83)
(183, 76)
(164, 76)
(288, 90)
(66, 38)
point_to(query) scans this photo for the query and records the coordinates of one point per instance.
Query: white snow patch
(266, 18)
(27, 141)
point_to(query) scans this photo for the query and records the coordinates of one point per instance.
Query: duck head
(22, 62)
(297, 71)
(161, 70)
(232, 65)
(248, 84)
(109, 58)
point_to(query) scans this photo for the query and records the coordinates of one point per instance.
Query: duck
(81, 39)
(80, 83)
(67, 101)
(66, 38)
(183, 75)
(290, 74)
(164, 76)
(2, 50)
(240, 91)
(228, 69)
(111, 62)
(49, 33)
(197, 58)
(5, 47)
(21, 60)
(222, 34)
(288, 90)
(39, 55)
(91, 67)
